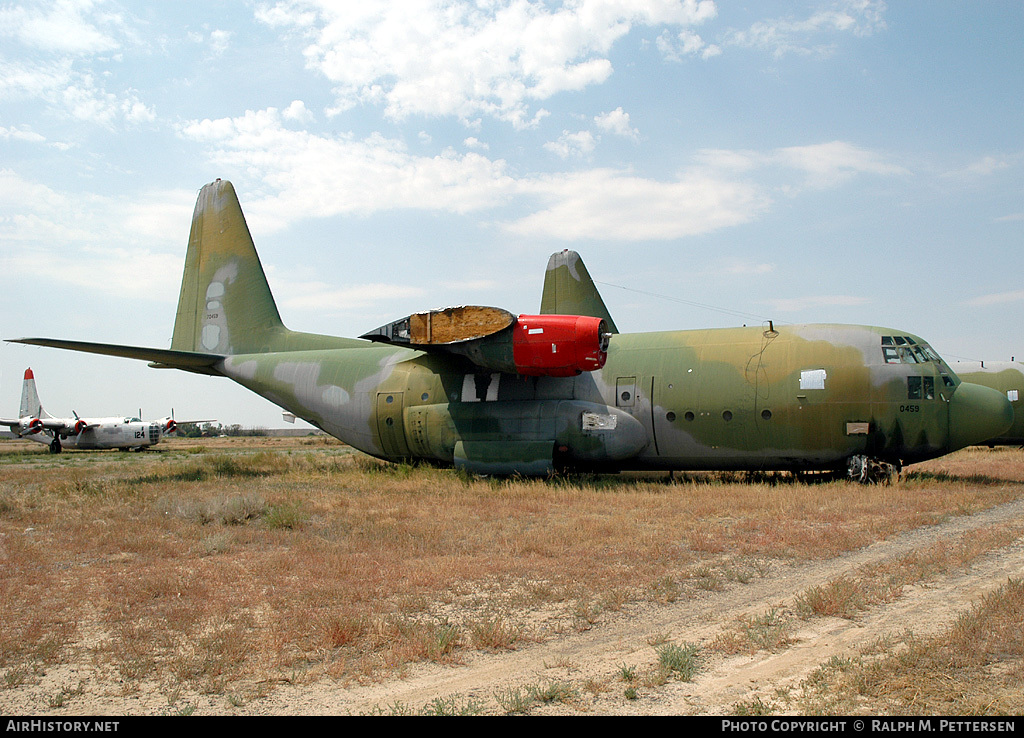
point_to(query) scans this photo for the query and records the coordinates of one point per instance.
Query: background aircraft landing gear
(55, 447)
(867, 470)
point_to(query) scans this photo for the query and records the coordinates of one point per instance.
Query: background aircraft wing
(191, 361)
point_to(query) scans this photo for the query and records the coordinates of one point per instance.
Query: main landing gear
(867, 470)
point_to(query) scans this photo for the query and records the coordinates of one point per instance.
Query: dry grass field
(293, 575)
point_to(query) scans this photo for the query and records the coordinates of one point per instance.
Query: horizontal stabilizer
(161, 358)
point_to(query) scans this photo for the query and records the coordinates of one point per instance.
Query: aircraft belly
(523, 436)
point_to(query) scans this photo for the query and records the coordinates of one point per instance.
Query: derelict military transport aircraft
(119, 431)
(496, 393)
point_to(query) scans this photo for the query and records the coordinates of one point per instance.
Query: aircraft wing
(191, 361)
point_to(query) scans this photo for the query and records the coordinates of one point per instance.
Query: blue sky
(714, 163)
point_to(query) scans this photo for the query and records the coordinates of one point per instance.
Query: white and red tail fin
(30, 405)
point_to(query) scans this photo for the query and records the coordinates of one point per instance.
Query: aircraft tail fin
(30, 405)
(569, 290)
(225, 305)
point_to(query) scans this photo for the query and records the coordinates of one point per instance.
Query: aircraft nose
(976, 414)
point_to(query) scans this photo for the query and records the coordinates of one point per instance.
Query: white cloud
(832, 163)
(814, 34)
(427, 57)
(822, 165)
(219, 41)
(1000, 298)
(85, 101)
(297, 111)
(617, 122)
(318, 176)
(569, 144)
(308, 175)
(675, 47)
(91, 243)
(21, 133)
(603, 204)
(62, 26)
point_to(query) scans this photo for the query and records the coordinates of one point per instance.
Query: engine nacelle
(494, 339)
(559, 345)
(29, 426)
(80, 425)
(170, 426)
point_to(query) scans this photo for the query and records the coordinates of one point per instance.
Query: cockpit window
(906, 350)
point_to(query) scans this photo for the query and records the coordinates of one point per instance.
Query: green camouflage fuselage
(798, 397)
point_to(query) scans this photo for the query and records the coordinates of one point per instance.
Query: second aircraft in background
(118, 431)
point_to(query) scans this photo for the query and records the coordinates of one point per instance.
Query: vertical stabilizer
(569, 290)
(30, 405)
(225, 305)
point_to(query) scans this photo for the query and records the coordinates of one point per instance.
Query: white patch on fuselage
(240, 370)
(334, 396)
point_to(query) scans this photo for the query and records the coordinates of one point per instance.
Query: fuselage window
(920, 388)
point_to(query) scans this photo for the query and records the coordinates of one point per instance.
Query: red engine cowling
(31, 426)
(79, 426)
(559, 345)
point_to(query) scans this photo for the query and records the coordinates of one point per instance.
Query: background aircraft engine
(30, 426)
(170, 426)
(559, 345)
(79, 426)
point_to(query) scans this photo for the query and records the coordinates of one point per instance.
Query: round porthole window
(625, 396)
(670, 417)
(688, 416)
(727, 415)
(766, 414)
(390, 399)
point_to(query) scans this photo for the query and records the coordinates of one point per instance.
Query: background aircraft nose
(976, 414)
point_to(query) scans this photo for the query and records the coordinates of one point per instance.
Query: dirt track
(598, 655)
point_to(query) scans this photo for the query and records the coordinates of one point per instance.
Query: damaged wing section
(497, 340)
